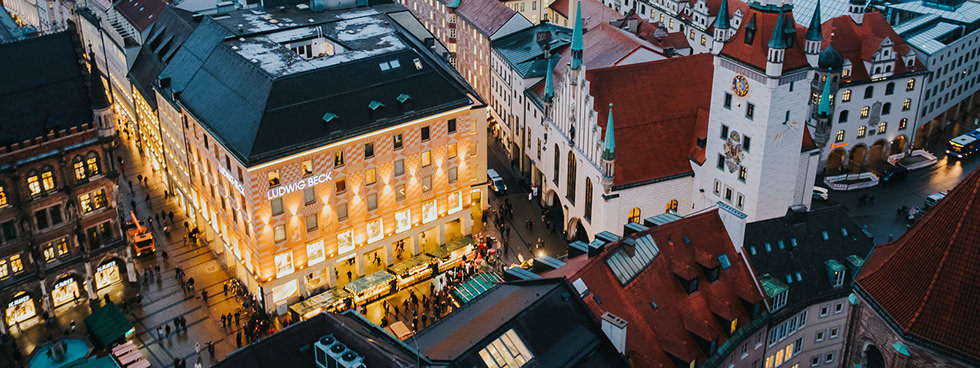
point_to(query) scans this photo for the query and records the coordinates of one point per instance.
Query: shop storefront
(413, 270)
(20, 309)
(453, 252)
(371, 287)
(107, 274)
(64, 291)
(333, 300)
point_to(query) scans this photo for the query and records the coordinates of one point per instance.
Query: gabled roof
(140, 13)
(859, 42)
(656, 133)
(766, 19)
(793, 250)
(664, 321)
(937, 302)
(173, 25)
(35, 73)
(660, 37)
(487, 16)
(525, 55)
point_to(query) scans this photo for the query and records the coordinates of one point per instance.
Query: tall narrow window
(910, 84)
(47, 180)
(840, 136)
(570, 186)
(273, 178)
(397, 141)
(862, 131)
(588, 199)
(92, 164)
(338, 158)
(749, 111)
(557, 164)
(846, 96)
(79, 168)
(369, 149)
(882, 127)
(907, 104)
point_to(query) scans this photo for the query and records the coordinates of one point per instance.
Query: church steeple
(723, 29)
(777, 48)
(577, 38)
(824, 108)
(549, 88)
(96, 89)
(608, 154)
(814, 35)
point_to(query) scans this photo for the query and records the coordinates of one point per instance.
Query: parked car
(496, 182)
(934, 198)
(821, 193)
(893, 174)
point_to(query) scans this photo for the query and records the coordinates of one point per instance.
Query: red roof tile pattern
(561, 6)
(938, 302)
(808, 143)
(859, 42)
(756, 53)
(652, 33)
(487, 16)
(655, 334)
(656, 130)
(595, 13)
(140, 13)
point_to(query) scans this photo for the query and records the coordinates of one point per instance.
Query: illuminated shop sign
(299, 185)
(231, 179)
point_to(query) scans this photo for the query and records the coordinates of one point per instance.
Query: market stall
(450, 254)
(332, 300)
(370, 287)
(412, 270)
(472, 288)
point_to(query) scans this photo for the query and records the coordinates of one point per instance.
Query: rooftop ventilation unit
(321, 349)
(350, 359)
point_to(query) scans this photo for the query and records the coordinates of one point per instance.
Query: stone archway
(576, 231)
(878, 152)
(857, 159)
(898, 144)
(836, 161)
(551, 198)
(872, 357)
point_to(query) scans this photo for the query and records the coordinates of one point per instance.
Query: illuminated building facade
(322, 151)
(60, 237)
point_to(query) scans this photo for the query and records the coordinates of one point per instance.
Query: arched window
(557, 164)
(588, 199)
(79, 168)
(34, 183)
(890, 88)
(886, 108)
(92, 164)
(570, 183)
(843, 117)
(634, 215)
(672, 206)
(869, 92)
(47, 179)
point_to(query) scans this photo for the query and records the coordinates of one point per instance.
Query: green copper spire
(609, 149)
(549, 88)
(721, 22)
(813, 33)
(824, 108)
(453, 4)
(778, 41)
(577, 38)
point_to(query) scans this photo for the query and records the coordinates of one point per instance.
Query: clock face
(740, 86)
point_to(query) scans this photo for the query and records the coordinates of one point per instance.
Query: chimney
(164, 82)
(596, 247)
(615, 329)
(633, 25)
(734, 221)
(796, 214)
(632, 228)
(430, 42)
(543, 39)
(577, 248)
(629, 246)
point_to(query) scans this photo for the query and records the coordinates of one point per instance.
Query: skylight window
(789, 278)
(782, 245)
(752, 250)
(799, 277)
(418, 64)
(507, 351)
(768, 247)
(792, 241)
(384, 66)
(843, 232)
(825, 235)
(388, 65)
(395, 64)
(725, 263)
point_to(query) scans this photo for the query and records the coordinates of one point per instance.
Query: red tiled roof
(662, 122)
(756, 53)
(595, 13)
(654, 334)
(648, 31)
(938, 301)
(141, 13)
(561, 6)
(858, 42)
(487, 16)
(808, 143)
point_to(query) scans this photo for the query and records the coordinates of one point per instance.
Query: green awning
(321, 300)
(475, 286)
(108, 324)
(369, 281)
(402, 268)
(103, 362)
(445, 251)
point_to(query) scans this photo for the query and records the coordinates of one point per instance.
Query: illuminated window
(429, 211)
(882, 127)
(779, 358)
(315, 253)
(342, 211)
(400, 192)
(370, 176)
(734, 325)
(375, 230)
(507, 351)
(372, 201)
(311, 222)
(910, 84)
(341, 185)
(749, 111)
(3, 197)
(907, 104)
(588, 199)
(426, 158)
(691, 34)
(453, 174)
(34, 185)
(399, 167)
(62, 245)
(902, 124)
(704, 40)
(403, 220)
(769, 360)
(634, 216)
(79, 167)
(862, 131)
(92, 163)
(865, 111)
(306, 167)
(427, 183)
(280, 233)
(16, 265)
(670, 24)
(338, 159)
(717, 187)
(397, 141)
(47, 180)
(840, 136)
(284, 264)
(789, 352)
(451, 150)
(742, 173)
(49, 254)
(274, 178)
(92, 201)
(846, 96)
(4, 272)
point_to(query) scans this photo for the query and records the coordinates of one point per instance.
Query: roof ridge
(942, 261)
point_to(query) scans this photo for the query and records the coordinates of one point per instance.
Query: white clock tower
(756, 159)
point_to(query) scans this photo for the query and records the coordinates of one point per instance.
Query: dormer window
(835, 273)
(780, 299)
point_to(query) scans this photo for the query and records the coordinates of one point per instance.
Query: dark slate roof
(782, 259)
(35, 72)
(96, 90)
(546, 314)
(525, 55)
(140, 13)
(293, 346)
(174, 26)
(9, 31)
(235, 76)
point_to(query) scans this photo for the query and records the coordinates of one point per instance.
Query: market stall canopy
(444, 252)
(475, 286)
(320, 301)
(403, 268)
(108, 324)
(367, 282)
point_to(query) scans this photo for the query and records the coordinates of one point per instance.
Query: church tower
(103, 116)
(814, 35)
(753, 158)
(825, 84)
(608, 155)
(723, 28)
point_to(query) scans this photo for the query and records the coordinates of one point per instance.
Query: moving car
(933, 199)
(821, 193)
(496, 182)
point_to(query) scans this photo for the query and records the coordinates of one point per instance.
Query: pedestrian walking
(159, 332)
(224, 321)
(167, 330)
(349, 276)
(238, 338)
(204, 295)
(211, 350)
(237, 314)
(72, 326)
(197, 348)
(226, 288)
